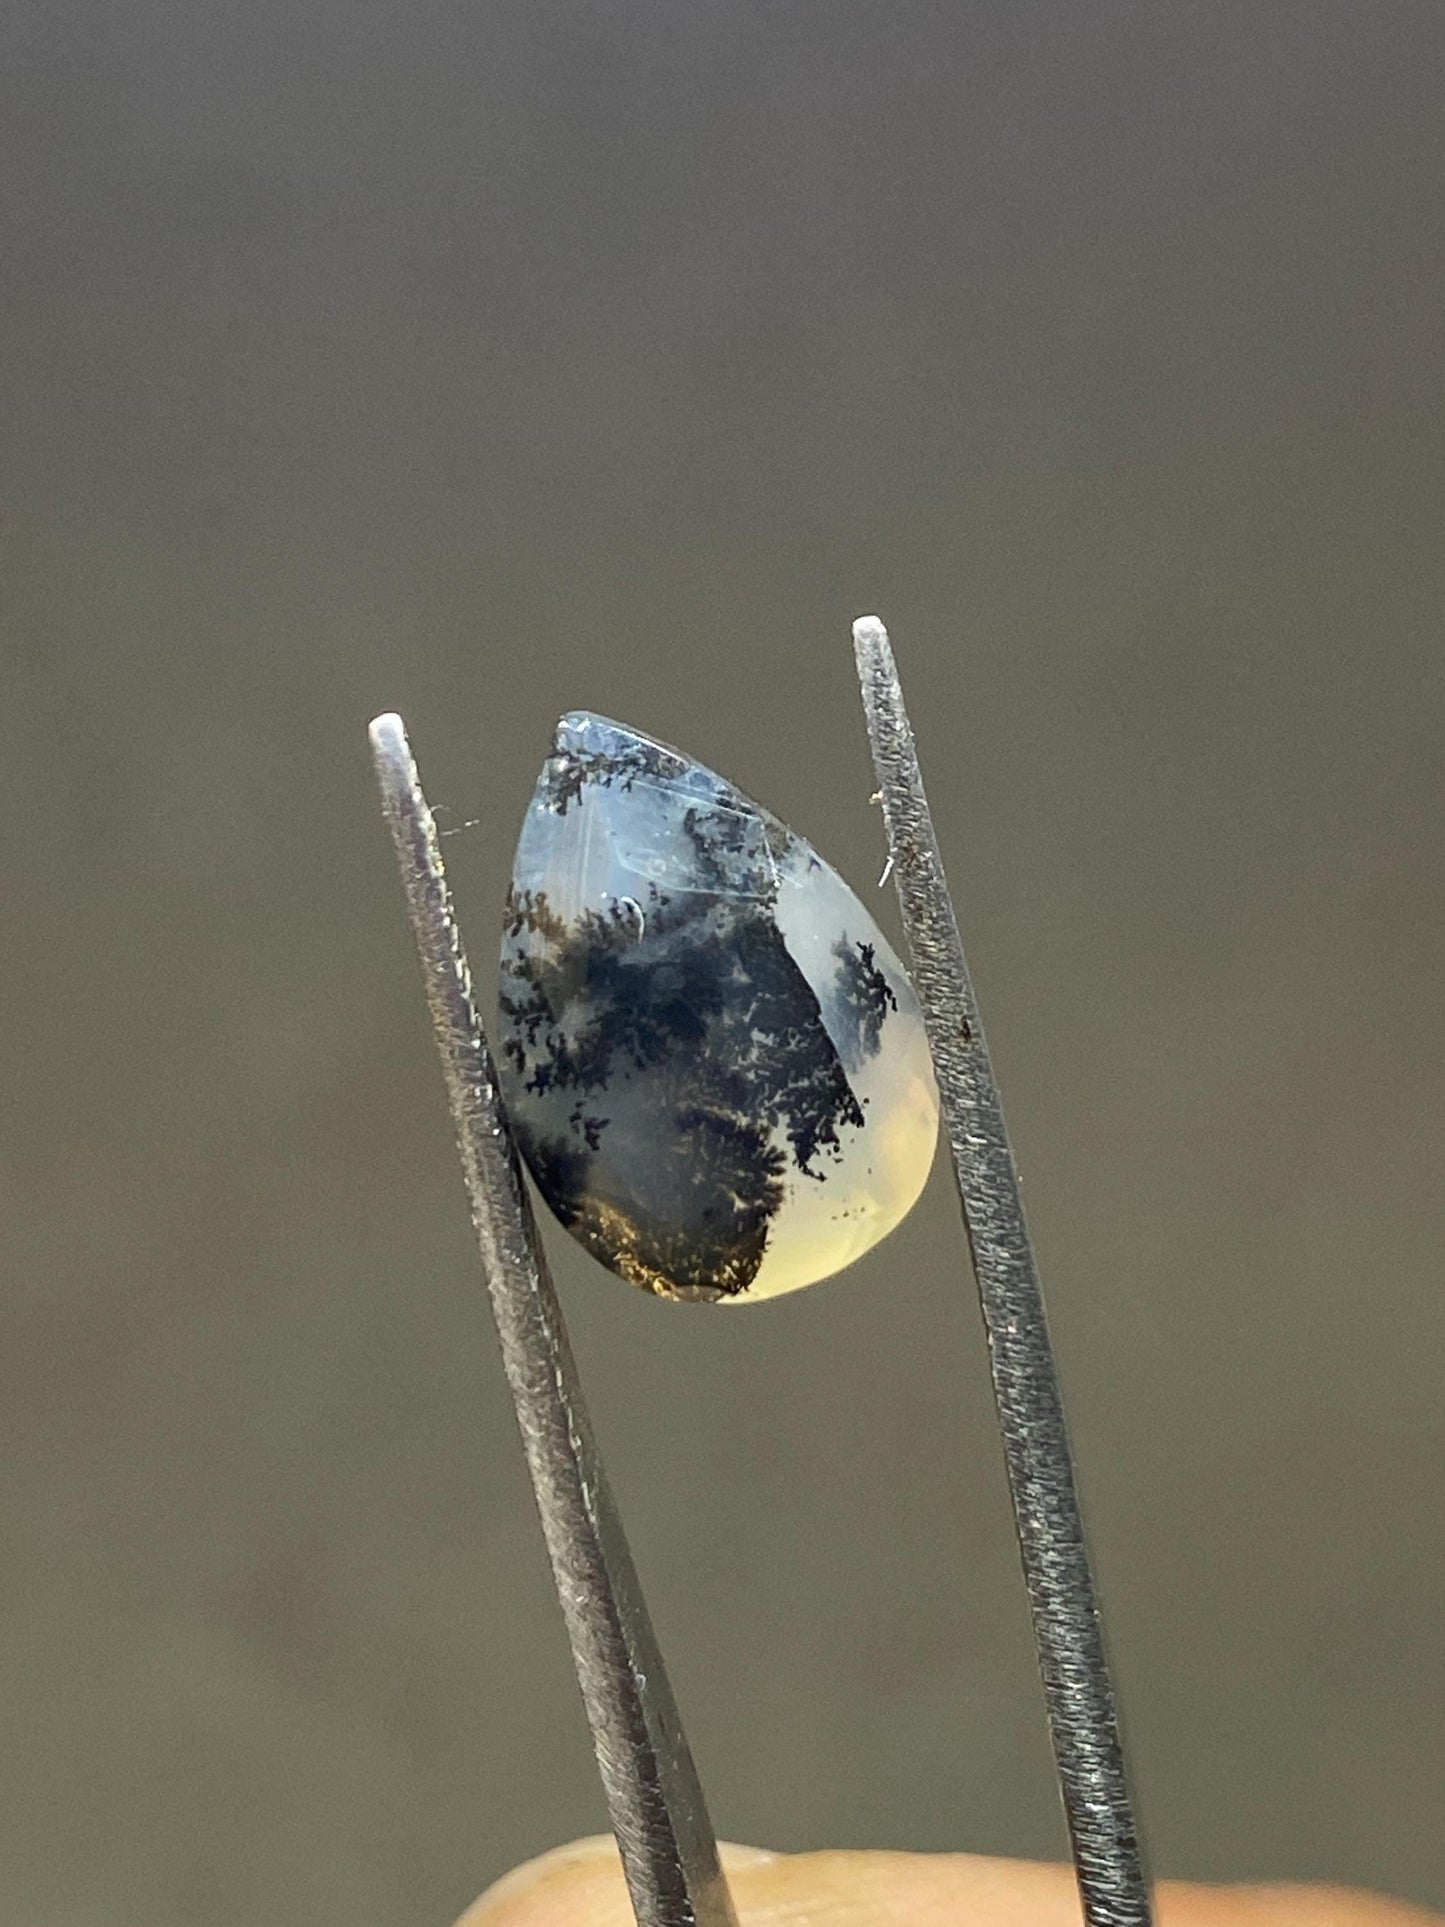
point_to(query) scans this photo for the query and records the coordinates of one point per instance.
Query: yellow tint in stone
(713, 1062)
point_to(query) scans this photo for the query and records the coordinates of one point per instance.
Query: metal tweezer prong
(1068, 1629)
(654, 1799)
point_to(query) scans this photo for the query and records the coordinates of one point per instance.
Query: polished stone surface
(712, 1060)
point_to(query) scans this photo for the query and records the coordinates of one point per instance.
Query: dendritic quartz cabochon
(713, 1063)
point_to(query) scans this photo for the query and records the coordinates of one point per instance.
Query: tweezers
(655, 1801)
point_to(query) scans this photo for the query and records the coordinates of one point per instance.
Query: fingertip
(580, 1885)
(550, 1888)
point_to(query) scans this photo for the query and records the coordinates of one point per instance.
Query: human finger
(582, 1886)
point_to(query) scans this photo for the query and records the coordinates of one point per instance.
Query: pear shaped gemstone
(713, 1063)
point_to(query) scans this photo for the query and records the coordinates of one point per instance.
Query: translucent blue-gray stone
(713, 1062)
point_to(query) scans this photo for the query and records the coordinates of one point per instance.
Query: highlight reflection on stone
(712, 1061)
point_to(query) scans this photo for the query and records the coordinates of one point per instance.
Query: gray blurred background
(481, 361)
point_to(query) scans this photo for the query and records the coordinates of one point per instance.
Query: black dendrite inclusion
(863, 998)
(568, 771)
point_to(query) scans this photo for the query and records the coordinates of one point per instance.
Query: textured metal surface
(1067, 1627)
(656, 1803)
